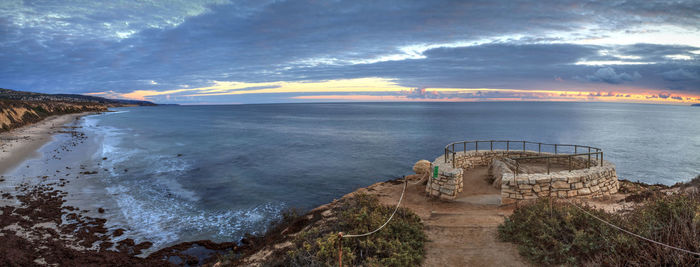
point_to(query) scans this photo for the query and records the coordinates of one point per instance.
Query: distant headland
(8, 94)
(18, 108)
(695, 105)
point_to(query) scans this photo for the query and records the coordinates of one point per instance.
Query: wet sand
(20, 144)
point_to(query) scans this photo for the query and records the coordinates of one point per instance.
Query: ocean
(170, 174)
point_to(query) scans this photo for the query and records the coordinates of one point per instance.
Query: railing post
(445, 155)
(575, 149)
(465, 147)
(601, 158)
(523, 146)
(539, 148)
(547, 165)
(555, 149)
(477, 146)
(453, 160)
(507, 146)
(453, 148)
(589, 160)
(569, 163)
(491, 145)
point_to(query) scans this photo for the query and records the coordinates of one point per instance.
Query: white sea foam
(154, 205)
(165, 219)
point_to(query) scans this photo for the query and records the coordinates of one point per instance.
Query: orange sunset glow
(380, 89)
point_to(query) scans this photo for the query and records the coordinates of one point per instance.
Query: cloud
(421, 93)
(680, 75)
(608, 75)
(121, 46)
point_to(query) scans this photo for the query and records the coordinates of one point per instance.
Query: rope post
(477, 146)
(340, 249)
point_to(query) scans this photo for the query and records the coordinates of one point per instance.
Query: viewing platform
(520, 170)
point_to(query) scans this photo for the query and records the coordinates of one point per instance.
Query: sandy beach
(19, 144)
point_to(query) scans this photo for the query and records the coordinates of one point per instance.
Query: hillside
(31, 96)
(18, 108)
(16, 113)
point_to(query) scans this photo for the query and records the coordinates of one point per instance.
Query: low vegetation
(549, 232)
(312, 239)
(400, 243)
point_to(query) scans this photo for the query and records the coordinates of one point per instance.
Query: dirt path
(463, 232)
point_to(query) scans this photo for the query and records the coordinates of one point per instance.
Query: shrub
(552, 233)
(399, 243)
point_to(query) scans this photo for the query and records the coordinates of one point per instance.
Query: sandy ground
(463, 232)
(19, 144)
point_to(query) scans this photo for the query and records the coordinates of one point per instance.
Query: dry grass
(559, 233)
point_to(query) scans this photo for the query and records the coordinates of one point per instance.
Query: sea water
(183, 173)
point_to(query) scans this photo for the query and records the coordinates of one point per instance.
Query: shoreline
(44, 211)
(23, 143)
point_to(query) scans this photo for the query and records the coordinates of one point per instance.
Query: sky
(228, 52)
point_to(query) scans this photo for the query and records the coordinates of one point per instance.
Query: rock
(560, 185)
(422, 167)
(584, 191)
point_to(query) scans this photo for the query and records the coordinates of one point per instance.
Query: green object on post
(435, 172)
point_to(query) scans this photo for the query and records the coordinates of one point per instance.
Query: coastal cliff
(16, 113)
(19, 108)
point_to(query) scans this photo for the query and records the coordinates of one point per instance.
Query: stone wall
(580, 181)
(583, 183)
(447, 184)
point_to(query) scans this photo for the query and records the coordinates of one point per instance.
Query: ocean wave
(164, 219)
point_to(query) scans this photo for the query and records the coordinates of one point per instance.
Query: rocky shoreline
(37, 227)
(41, 230)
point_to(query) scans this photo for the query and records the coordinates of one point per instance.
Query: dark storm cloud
(609, 75)
(681, 75)
(145, 45)
(507, 66)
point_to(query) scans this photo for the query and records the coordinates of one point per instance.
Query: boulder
(422, 167)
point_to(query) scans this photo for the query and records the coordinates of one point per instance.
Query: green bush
(552, 233)
(399, 243)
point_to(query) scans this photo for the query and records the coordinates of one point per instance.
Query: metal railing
(515, 146)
